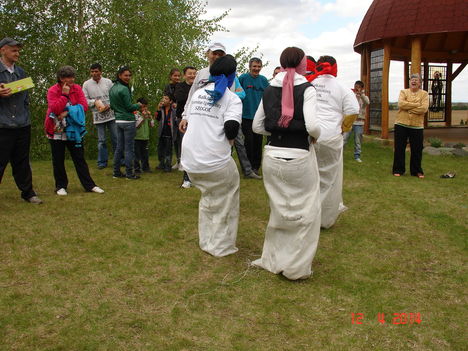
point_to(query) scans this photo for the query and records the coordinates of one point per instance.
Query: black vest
(295, 135)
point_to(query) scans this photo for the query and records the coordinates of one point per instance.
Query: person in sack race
(287, 114)
(211, 124)
(337, 108)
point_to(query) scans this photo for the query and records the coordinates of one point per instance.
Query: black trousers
(141, 155)
(14, 148)
(416, 138)
(253, 144)
(58, 161)
(165, 152)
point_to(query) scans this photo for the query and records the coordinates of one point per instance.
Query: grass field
(123, 271)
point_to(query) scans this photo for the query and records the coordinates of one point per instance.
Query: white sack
(218, 210)
(330, 164)
(293, 230)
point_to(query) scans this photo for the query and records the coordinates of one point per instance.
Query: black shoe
(253, 175)
(34, 200)
(118, 175)
(101, 167)
(133, 177)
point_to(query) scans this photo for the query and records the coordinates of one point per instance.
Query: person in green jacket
(144, 122)
(120, 97)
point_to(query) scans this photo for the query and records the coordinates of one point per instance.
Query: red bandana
(323, 68)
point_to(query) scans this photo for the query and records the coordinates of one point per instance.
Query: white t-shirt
(334, 101)
(205, 147)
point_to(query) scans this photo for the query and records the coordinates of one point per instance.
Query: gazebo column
(385, 79)
(416, 55)
(365, 77)
(406, 75)
(448, 95)
(426, 87)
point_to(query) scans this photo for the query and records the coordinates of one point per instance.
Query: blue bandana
(221, 83)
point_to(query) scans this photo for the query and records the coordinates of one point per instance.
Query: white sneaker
(358, 160)
(98, 190)
(186, 184)
(62, 192)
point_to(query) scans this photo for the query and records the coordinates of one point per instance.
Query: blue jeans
(125, 147)
(103, 155)
(358, 131)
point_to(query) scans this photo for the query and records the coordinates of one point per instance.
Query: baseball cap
(9, 42)
(217, 46)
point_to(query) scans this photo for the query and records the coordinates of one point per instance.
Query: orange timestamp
(393, 318)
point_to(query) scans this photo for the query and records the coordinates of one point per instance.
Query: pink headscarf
(287, 99)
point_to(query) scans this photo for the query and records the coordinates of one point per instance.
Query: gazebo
(419, 33)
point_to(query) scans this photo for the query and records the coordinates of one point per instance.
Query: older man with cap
(15, 123)
(215, 51)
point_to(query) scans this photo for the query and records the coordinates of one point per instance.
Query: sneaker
(101, 166)
(358, 160)
(62, 192)
(253, 175)
(186, 184)
(98, 190)
(176, 166)
(133, 177)
(118, 175)
(34, 200)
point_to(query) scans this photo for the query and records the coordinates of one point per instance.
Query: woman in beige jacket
(413, 104)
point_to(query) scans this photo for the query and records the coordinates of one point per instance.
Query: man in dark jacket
(15, 123)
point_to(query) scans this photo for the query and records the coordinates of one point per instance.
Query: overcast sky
(319, 27)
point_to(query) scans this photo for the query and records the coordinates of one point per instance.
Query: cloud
(317, 27)
(348, 8)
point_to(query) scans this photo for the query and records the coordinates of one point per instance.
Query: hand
(107, 107)
(62, 115)
(183, 126)
(4, 92)
(65, 89)
(160, 105)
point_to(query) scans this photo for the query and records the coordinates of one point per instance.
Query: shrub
(435, 142)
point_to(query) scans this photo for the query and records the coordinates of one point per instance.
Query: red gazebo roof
(402, 18)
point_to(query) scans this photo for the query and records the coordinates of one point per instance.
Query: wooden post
(406, 75)
(368, 82)
(448, 95)
(385, 75)
(416, 55)
(426, 87)
(365, 77)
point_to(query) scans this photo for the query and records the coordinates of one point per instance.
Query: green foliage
(151, 36)
(435, 142)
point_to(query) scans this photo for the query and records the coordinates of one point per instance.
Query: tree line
(150, 36)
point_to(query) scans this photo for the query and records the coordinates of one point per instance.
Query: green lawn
(123, 271)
